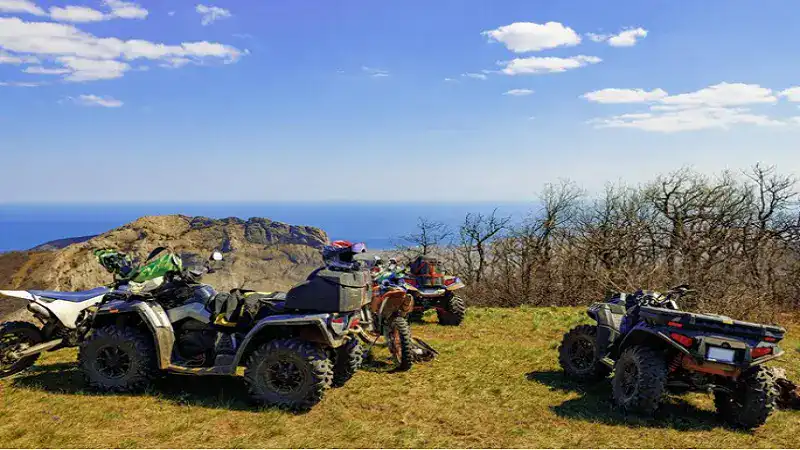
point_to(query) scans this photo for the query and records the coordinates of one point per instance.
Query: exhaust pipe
(36, 349)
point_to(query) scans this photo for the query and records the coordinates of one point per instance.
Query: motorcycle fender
(152, 315)
(319, 321)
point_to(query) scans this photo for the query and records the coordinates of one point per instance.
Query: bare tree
(430, 234)
(475, 234)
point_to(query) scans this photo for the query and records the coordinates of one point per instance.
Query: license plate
(720, 354)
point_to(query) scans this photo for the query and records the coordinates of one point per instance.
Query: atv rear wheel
(289, 373)
(118, 359)
(453, 312)
(578, 354)
(640, 376)
(753, 399)
(14, 337)
(398, 339)
(349, 358)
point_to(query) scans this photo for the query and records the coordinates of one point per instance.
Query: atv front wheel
(15, 337)
(453, 312)
(752, 401)
(289, 373)
(348, 360)
(640, 376)
(578, 354)
(118, 359)
(398, 339)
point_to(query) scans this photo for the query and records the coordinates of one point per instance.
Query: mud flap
(789, 397)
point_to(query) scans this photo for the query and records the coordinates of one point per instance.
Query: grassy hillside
(495, 384)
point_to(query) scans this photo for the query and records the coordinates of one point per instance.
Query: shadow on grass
(596, 405)
(220, 392)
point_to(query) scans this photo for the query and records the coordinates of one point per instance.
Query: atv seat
(80, 296)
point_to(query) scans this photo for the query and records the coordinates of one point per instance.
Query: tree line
(734, 237)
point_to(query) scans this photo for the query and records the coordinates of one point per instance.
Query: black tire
(289, 373)
(349, 358)
(415, 316)
(640, 377)
(16, 336)
(578, 354)
(754, 398)
(453, 312)
(115, 359)
(398, 339)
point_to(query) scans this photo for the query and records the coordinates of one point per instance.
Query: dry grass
(495, 384)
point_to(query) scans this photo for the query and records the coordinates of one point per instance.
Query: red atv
(435, 290)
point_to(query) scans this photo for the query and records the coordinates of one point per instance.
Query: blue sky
(379, 100)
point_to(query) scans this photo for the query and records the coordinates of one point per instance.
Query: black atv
(654, 348)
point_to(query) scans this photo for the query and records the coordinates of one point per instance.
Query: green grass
(496, 383)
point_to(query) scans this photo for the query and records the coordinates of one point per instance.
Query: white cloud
(8, 58)
(723, 94)
(78, 14)
(21, 6)
(613, 95)
(687, 120)
(450, 80)
(626, 38)
(792, 94)
(211, 14)
(520, 37)
(89, 57)
(375, 72)
(171, 13)
(538, 65)
(39, 70)
(20, 84)
(519, 92)
(94, 100)
(716, 107)
(476, 76)
(126, 10)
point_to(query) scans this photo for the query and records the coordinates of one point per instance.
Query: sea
(379, 225)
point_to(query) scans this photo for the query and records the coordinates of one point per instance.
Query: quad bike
(293, 345)
(434, 290)
(386, 316)
(66, 316)
(654, 348)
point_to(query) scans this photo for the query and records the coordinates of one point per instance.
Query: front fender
(152, 315)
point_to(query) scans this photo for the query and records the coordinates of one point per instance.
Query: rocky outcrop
(58, 244)
(258, 254)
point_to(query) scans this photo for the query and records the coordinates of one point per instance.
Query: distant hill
(58, 244)
(259, 254)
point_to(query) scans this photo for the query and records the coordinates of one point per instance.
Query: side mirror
(216, 256)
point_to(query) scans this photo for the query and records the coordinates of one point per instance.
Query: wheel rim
(113, 362)
(581, 354)
(11, 343)
(284, 376)
(628, 380)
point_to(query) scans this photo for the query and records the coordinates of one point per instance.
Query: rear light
(355, 322)
(770, 339)
(675, 324)
(685, 341)
(758, 352)
(448, 282)
(338, 320)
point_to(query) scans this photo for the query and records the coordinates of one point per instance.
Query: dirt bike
(386, 316)
(66, 316)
